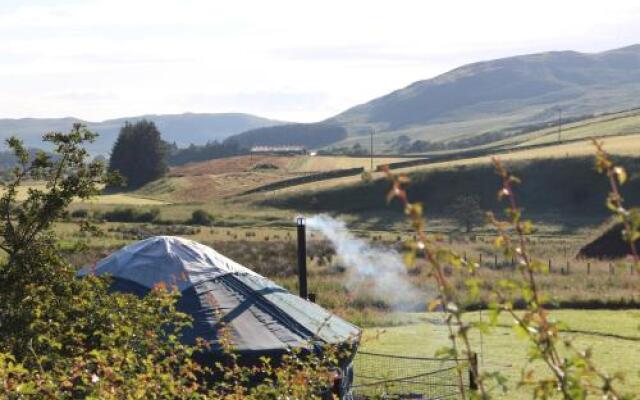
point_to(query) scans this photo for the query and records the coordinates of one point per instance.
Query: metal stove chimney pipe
(302, 257)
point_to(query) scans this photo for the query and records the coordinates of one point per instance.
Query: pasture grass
(123, 199)
(625, 124)
(129, 199)
(502, 350)
(329, 163)
(628, 145)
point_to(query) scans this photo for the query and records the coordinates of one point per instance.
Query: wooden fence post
(473, 366)
(480, 261)
(495, 261)
(588, 268)
(550, 266)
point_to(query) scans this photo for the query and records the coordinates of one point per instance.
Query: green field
(327, 163)
(125, 199)
(628, 145)
(625, 123)
(501, 350)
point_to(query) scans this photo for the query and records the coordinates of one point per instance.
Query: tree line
(140, 155)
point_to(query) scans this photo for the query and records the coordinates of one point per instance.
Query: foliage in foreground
(68, 338)
(556, 367)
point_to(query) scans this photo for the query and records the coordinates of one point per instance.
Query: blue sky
(292, 60)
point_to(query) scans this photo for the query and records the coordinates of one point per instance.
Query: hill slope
(184, 129)
(487, 98)
(491, 95)
(309, 135)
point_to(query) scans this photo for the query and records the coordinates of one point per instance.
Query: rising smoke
(381, 268)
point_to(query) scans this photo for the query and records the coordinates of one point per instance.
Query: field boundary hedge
(494, 150)
(339, 173)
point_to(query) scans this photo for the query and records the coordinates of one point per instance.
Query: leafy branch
(457, 327)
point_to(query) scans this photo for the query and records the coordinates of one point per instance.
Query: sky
(290, 60)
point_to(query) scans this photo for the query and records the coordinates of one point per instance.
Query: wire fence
(400, 377)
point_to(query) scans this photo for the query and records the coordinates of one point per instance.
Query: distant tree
(466, 210)
(201, 217)
(139, 154)
(358, 150)
(209, 151)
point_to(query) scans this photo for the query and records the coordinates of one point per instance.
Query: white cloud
(283, 59)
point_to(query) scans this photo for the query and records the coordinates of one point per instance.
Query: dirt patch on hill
(207, 187)
(231, 165)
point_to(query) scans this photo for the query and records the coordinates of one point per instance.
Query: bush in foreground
(67, 338)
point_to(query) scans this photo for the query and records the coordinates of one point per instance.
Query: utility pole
(371, 153)
(559, 124)
(302, 257)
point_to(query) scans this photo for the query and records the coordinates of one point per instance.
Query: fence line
(402, 376)
(566, 269)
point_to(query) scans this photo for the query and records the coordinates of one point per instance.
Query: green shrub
(129, 214)
(201, 217)
(80, 213)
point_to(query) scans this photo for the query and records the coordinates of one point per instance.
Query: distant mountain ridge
(487, 100)
(183, 129)
(536, 79)
(494, 96)
(312, 136)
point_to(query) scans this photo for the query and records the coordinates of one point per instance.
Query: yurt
(610, 245)
(264, 318)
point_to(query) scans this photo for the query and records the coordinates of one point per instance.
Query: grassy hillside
(224, 177)
(312, 136)
(552, 187)
(619, 145)
(124, 199)
(490, 99)
(500, 93)
(619, 124)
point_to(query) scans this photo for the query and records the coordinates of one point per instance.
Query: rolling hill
(493, 97)
(310, 135)
(476, 104)
(184, 129)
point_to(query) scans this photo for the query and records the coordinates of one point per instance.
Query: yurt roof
(263, 317)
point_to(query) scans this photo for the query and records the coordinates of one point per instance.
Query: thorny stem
(604, 162)
(444, 288)
(448, 300)
(608, 388)
(545, 342)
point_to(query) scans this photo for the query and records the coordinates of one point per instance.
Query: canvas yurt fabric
(264, 318)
